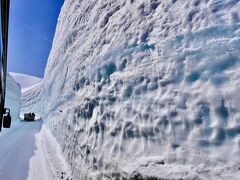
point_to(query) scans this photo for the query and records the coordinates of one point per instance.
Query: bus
(5, 117)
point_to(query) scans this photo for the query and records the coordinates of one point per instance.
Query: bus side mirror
(7, 119)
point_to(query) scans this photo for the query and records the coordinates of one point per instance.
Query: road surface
(17, 146)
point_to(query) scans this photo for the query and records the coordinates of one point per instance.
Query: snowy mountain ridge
(25, 80)
(145, 88)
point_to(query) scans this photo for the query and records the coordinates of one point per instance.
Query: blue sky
(31, 31)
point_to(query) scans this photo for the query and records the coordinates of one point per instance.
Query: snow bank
(130, 83)
(47, 162)
(13, 97)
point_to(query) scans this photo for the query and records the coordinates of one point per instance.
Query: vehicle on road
(29, 116)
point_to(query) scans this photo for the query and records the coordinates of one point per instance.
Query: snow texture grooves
(16, 149)
(145, 87)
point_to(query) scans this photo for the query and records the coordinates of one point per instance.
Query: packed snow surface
(17, 146)
(25, 80)
(145, 88)
(13, 97)
(28, 151)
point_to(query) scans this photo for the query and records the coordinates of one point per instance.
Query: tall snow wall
(136, 86)
(13, 97)
(32, 100)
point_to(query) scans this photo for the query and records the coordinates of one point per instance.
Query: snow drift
(13, 97)
(146, 88)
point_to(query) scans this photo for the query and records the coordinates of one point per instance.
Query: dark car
(29, 116)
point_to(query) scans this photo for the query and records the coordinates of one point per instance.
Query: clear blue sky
(31, 31)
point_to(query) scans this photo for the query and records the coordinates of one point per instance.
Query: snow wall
(146, 88)
(13, 97)
(32, 100)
